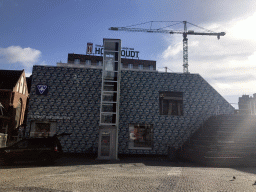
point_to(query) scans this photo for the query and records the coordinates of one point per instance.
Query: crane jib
(214, 34)
(184, 32)
(197, 33)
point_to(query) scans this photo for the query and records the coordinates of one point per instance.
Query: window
(151, 67)
(21, 84)
(18, 86)
(141, 67)
(88, 62)
(140, 136)
(99, 63)
(130, 66)
(171, 103)
(43, 129)
(18, 113)
(77, 61)
(1, 109)
(24, 90)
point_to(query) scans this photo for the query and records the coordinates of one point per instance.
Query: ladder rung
(106, 81)
(107, 123)
(109, 91)
(108, 113)
(110, 71)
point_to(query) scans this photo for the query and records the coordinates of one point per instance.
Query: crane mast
(185, 33)
(185, 49)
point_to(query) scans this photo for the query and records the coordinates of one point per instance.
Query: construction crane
(185, 33)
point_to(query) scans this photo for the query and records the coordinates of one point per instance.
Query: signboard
(89, 48)
(41, 89)
(125, 52)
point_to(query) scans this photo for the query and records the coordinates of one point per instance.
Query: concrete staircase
(223, 140)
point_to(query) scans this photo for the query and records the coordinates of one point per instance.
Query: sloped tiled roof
(9, 78)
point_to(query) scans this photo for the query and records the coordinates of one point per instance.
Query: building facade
(157, 110)
(79, 60)
(247, 104)
(13, 100)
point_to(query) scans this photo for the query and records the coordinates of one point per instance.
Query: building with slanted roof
(13, 100)
(158, 111)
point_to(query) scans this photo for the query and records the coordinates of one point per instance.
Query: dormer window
(77, 61)
(99, 63)
(140, 67)
(88, 62)
(130, 66)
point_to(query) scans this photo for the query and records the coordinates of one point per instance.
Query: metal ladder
(111, 74)
(110, 93)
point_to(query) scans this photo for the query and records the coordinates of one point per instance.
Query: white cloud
(228, 64)
(172, 51)
(28, 73)
(244, 29)
(16, 54)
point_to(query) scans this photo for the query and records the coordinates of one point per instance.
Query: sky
(34, 32)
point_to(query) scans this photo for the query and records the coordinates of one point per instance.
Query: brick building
(13, 100)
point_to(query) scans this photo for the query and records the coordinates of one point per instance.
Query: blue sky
(44, 32)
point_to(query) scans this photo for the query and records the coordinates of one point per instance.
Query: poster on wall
(140, 136)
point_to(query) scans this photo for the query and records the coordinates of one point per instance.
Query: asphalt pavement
(74, 173)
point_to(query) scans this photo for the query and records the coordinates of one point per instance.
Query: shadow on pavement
(251, 170)
(72, 159)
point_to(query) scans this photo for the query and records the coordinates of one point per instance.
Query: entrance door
(107, 144)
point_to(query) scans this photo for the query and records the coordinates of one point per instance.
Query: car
(43, 150)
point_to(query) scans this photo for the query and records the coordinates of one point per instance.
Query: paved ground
(129, 174)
